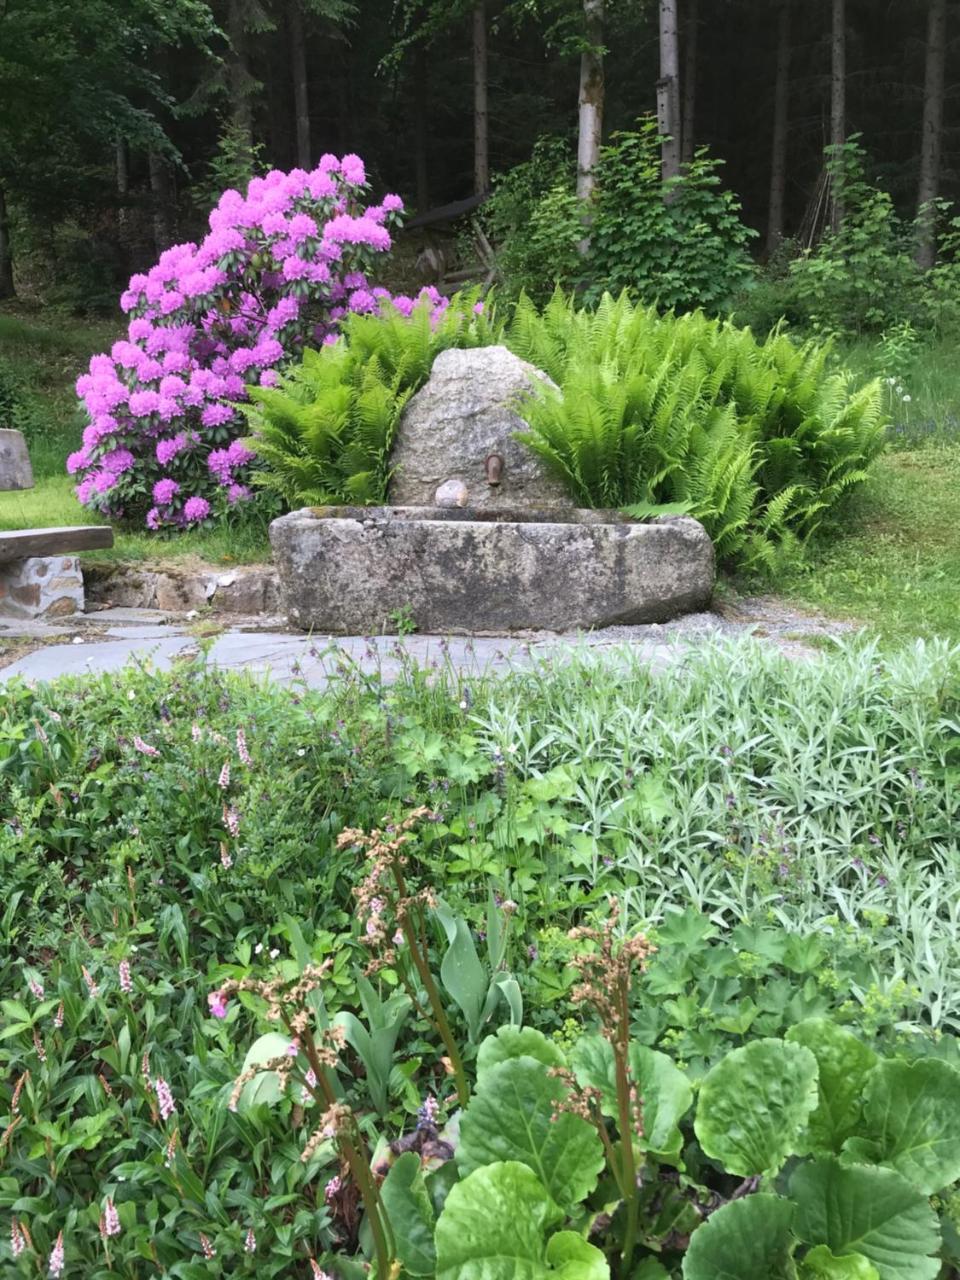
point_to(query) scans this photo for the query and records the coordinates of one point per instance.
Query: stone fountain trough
(478, 537)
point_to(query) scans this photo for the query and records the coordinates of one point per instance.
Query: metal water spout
(494, 469)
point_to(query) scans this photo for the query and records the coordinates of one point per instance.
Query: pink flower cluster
(277, 270)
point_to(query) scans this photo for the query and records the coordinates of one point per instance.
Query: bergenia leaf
(665, 1090)
(747, 1239)
(821, 1264)
(912, 1113)
(843, 1063)
(511, 1117)
(494, 1225)
(754, 1106)
(870, 1211)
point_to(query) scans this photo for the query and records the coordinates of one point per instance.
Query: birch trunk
(931, 145)
(591, 99)
(239, 80)
(668, 90)
(781, 124)
(481, 129)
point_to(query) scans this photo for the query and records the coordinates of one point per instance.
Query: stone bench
(39, 571)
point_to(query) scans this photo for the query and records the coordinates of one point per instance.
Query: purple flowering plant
(278, 269)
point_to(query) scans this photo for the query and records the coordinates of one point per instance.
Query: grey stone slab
(57, 660)
(354, 570)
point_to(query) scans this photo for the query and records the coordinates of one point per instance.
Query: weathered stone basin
(345, 570)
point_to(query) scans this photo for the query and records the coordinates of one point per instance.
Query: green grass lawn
(895, 565)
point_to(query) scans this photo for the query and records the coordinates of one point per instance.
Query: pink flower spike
(242, 751)
(224, 780)
(36, 988)
(317, 1272)
(208, 1250)
(17, 1239)
(58, 1017)
(218, 1004)
(92, 987)
(250, 1242)
(126, 982)
(57, 1257)
(164, 1098)
(109, 1220)
(144, 748)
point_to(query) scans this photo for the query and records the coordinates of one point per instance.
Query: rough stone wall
(41, 587)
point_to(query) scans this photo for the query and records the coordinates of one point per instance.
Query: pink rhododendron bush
(277, 270)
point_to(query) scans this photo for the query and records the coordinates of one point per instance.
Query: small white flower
(301, 751)
(274, 953)
(907, 399)
(131, 694)
(258, 948)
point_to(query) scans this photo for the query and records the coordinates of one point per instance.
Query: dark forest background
(120, 120)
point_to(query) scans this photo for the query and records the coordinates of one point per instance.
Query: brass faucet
(494, 468)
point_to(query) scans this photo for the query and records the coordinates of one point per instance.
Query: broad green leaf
(747, 1239)
(517, 1042)
(912, 1112)
(843, 1063)
(463, 976)
(665, 1090)
(574, 1258)
(821, 1264)
(410, 1213)
(754, 1105)
(264, 1087)
(871, 1211)
(493, 1226)
(510, 1117)
(651, 1269)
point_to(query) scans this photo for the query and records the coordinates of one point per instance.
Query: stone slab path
(107, 641)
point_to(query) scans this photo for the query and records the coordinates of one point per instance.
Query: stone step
(24, 544)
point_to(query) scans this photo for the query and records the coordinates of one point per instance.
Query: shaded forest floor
(895, 564)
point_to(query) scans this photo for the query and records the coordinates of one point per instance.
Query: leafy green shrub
(325, 433)
(862, 278)
(535, 223)
(679, 244)
(760, 441)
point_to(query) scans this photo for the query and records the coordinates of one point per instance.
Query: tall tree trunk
(591, 98)
(301, 96)
(781, 124)
(931, 146)
(161, 190)
(690, 82)
(481, 130)
(123, 168)
(838, 97)
(6, 254)
(668, 90)
(239, 79)
(420, 104)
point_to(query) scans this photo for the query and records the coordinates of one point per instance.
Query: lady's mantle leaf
(754, 1106)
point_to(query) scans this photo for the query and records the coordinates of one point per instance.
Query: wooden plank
(20, 544)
